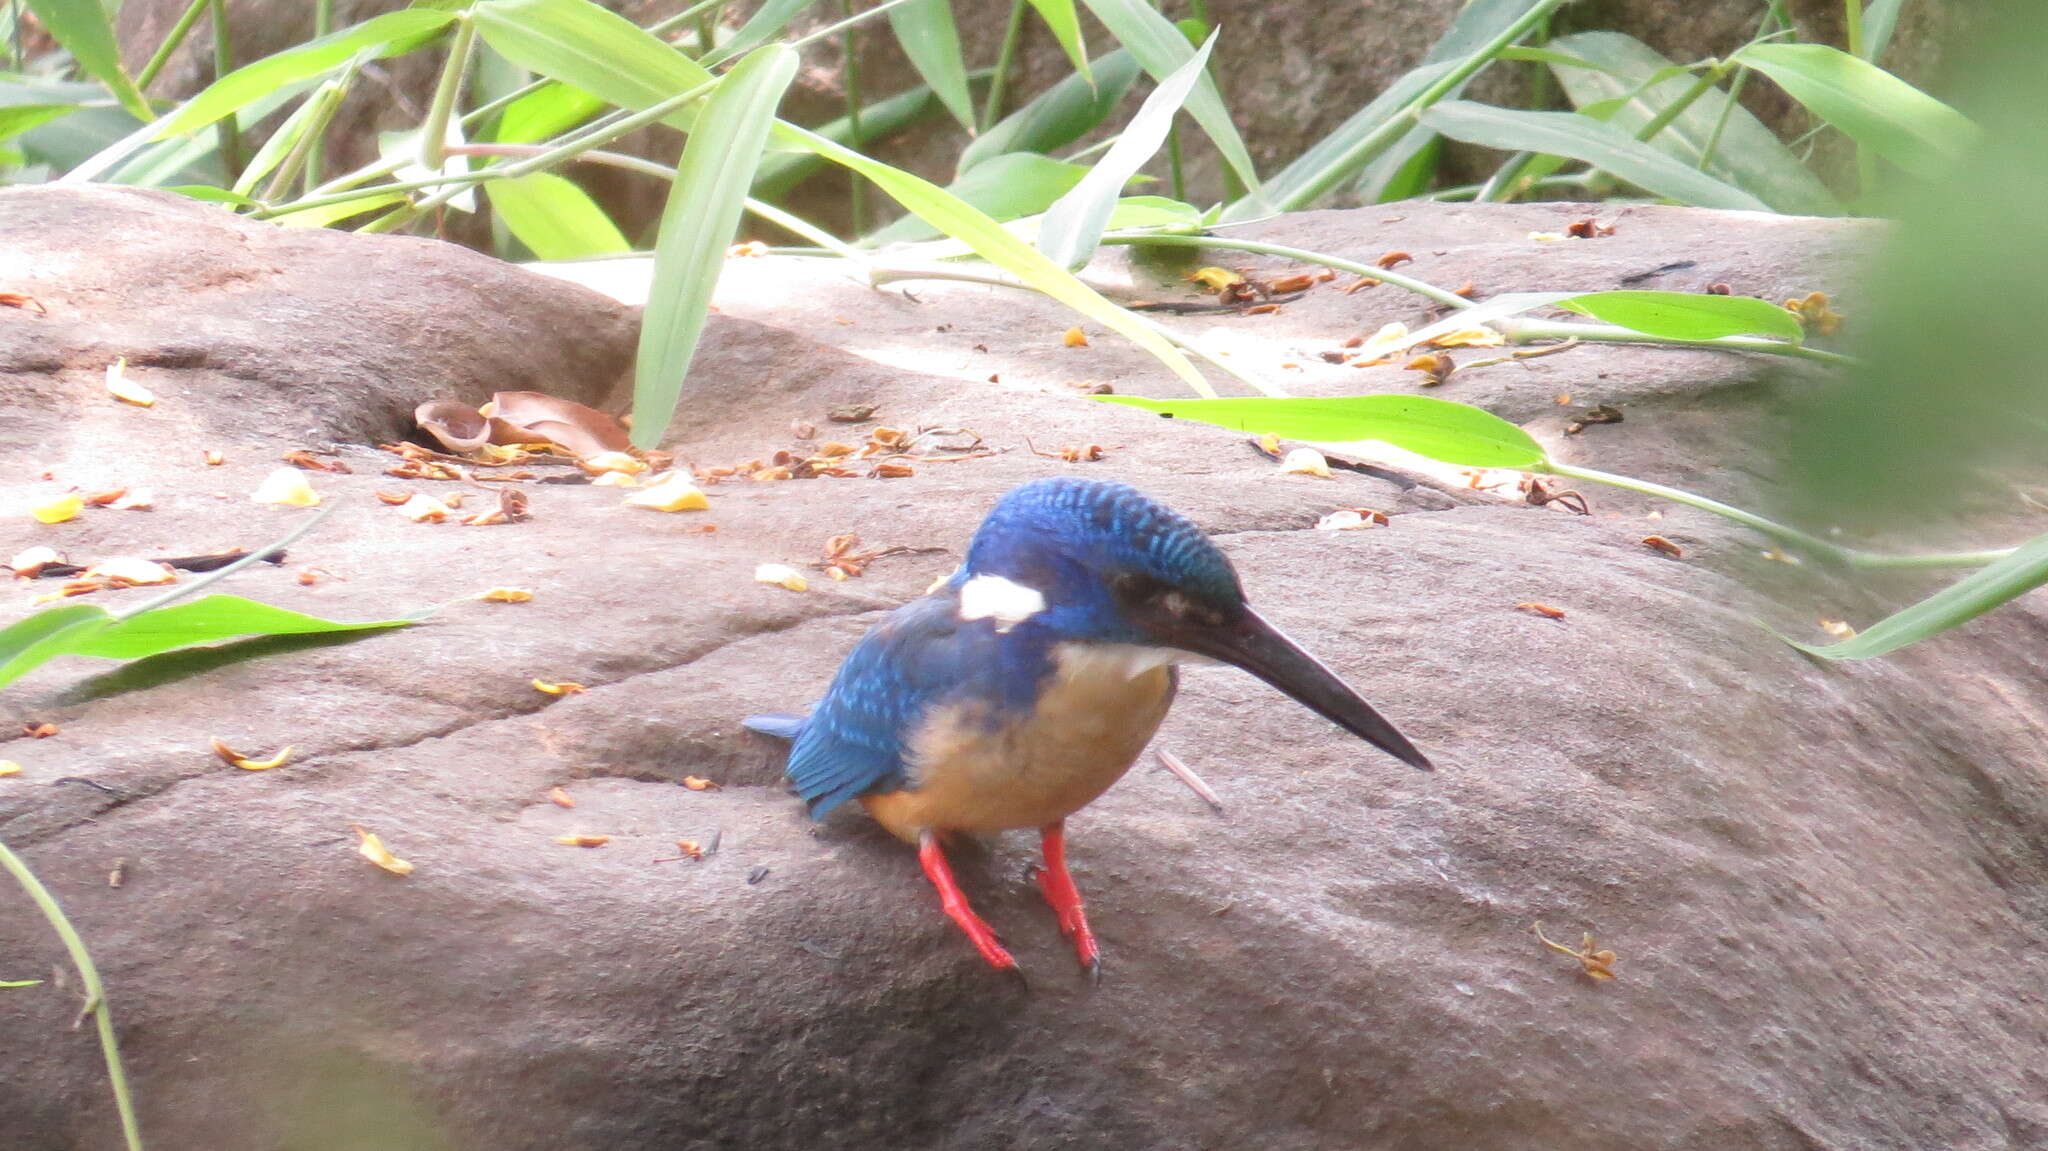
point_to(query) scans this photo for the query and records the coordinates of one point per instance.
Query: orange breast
(1089, 727)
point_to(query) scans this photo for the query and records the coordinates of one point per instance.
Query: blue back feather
(1062, 536)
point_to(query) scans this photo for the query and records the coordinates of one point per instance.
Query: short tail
(780, 724)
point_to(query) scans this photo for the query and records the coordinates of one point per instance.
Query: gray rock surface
(1824, 884)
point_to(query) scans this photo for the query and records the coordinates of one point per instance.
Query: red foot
(955, 903)
(1065, 899)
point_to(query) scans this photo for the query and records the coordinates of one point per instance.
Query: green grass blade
(46, 635)
(1006, 188)
(210, 619)
(1442, 430)
(546, 111)
(1065, 24)
(764, 25)
(589, 47)
(1057, 116)
(782, 170)
(2019, 573)
(1687, 316)
(988, 239)
(1584, 138)
(1340, 155)
(1880, 17)
(1749, 155)
(391, 34)
(925, 30)
(1073, 227)
(554, 218)
(1404, 169)
(1870, 105)
(1162, 49)
(82, 27)
(703, 212)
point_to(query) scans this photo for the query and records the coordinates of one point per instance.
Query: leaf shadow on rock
(157, 670)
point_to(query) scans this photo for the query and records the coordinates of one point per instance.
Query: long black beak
(1263, 650)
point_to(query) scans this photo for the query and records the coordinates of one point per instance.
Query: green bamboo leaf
(1870, 105)
(82, 27)
(47, 634)
(1583, 138)
(312, 115)
(782, 170)
(764, 25)
(589, 47)
(214, 195)
(925, 30)
(1073, 226)
(1346, 150)
(1879, 18)
(988, 239)
(1065, 24)
(1162, 49)
(1442, 430)
(2015, 575)
(321, 217)
(544, 112)
(1622, 69)
(554, 218)
(1058, 116)
(697, 226)
(1547, 55)
(391, 34)
(18, 118)
(1158, 213)
(209, 619)
(1405, 169)
(1006, 188)
(1687, 316)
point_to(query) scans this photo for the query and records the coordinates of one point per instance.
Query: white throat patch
(1115, 661)
(1004, 601)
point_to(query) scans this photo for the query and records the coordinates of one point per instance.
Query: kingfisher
(1026, 683)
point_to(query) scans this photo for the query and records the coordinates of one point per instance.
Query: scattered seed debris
(1542, 609)
(1074, 338)
(564, 688)
(1547, 237)
(1588, 229)
(560, 798)
(215, 459)
(1840, 629)
(672, 492)
(1599, 414)
(313, 462)
(1659, 543)
(1306, 462)
(1815, 315)
(1597, 964)
(698, 783)
(24, 302)
(9, 767)
(1351, 519)
(583, 840)
(505, 595)
(1394, 260)
(118, 874)
(35, 730)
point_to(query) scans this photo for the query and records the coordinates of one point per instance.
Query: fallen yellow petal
(1305, 462)
(287, 486)
(1547, 237)
(1075, 338)
(422, 509)
(373, 849)
(505, 595)
(614, 480)
(699, 783)
(60, 509)
(1215, 279)
(132, 570)
(583, 840)
(670, 493)
(781, 575)
(237, 759)
(135, 500)
(1470, 338)
(125, 389)
(1388, 339)
(559, 688)
(9, 767)
(1270, 443)
(612, 462)
(31, 561)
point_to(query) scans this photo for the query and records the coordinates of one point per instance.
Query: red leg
(1065, 899)
(955, 903)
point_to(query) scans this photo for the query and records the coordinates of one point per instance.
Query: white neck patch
(1004, 601)
(1115, 661)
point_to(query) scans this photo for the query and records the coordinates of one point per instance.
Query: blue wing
(855, 739)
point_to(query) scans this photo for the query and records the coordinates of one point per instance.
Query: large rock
(1823, 884)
